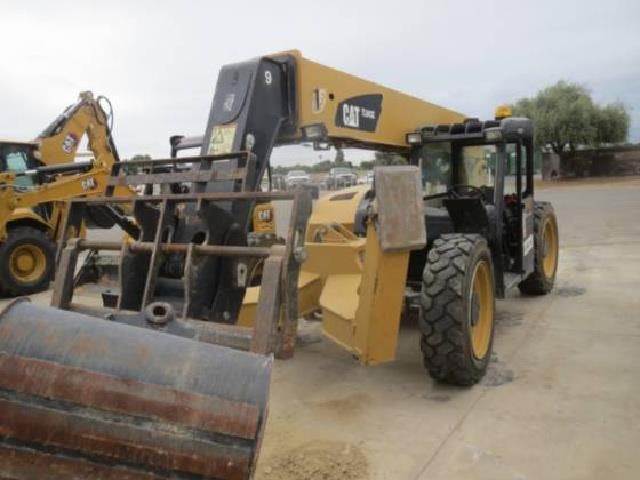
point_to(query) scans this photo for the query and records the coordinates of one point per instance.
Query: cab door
(524, 190)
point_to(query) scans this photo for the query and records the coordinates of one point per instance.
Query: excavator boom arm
(60, 140)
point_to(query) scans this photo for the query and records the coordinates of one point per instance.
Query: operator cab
(478, 178)
(18, 157)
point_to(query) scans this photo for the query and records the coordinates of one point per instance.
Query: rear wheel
(546, 245)
(458, 305)
(26, 261)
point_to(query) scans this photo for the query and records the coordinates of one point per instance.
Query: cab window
(477, 167)
(436, 167)
(17, 162)
(511, 173)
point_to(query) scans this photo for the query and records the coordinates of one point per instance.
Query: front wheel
(26, 261)
(458, 306)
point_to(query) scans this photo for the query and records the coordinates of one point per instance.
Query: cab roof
(8, 141)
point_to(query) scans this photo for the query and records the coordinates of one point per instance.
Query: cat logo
(360, 112)
(351, 115)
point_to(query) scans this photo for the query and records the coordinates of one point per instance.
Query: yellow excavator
(170, 377)
(35, 180)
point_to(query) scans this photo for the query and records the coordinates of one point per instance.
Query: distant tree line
(565, 116)
(383, 159)
(380, 159)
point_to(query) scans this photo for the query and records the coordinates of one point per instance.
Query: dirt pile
(317, 461)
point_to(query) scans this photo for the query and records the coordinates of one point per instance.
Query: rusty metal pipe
(86, 398)
(188, 197)
(219, 250)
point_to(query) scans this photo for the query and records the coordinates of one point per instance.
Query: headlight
(414, 138)
(314, 132)
(493, 134)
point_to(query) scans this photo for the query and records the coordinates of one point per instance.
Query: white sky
(158, 60)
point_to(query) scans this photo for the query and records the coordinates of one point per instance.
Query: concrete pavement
(561, 399)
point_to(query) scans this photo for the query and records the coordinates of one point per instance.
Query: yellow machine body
(86, 117)
(355, 283)
(358, 112)
(44, 174)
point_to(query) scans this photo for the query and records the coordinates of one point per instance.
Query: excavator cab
(18, 157)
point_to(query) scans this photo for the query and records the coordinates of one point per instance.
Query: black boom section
(251, 105)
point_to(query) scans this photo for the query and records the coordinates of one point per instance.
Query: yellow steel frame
(321, 89)
(86, 117)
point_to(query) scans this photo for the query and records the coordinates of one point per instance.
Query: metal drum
(82, 398)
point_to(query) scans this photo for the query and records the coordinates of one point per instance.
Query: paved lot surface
(561, 399)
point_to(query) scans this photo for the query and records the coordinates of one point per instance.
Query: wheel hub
(27, 263)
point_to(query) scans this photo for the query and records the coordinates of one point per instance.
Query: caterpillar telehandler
(146, 387)
(485, 233)
(35, 180)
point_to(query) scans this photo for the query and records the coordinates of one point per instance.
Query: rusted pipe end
(159, 313)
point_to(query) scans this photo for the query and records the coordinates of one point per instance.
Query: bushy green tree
(132, 170)
(565, 116)
(389, 158)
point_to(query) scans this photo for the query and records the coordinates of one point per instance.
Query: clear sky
(158, 60)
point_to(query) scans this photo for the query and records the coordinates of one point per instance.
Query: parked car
(297, 177)
(370, 177)
(340, 177)
(278, 182)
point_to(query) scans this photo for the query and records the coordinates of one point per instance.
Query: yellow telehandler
(146, 386)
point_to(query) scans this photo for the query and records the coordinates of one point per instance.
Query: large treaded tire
(20, 237)
(445, 321)
(538, 283)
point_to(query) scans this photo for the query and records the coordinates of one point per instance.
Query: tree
(367, 164)
(389, 158)
(339, 156)
(132, 170)
(612, 124)
(565, 116)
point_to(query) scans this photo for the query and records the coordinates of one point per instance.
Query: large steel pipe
(87, 398)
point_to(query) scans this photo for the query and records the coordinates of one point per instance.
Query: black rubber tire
(537, 283)
(445, 318)
(16, 237)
